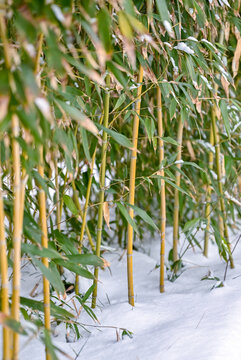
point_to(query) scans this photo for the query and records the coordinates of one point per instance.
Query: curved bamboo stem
(176, 194)
(132, 190)
(208, 197)
(163, 197)
(102, 184)
(42, 210)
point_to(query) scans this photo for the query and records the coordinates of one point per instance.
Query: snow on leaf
(183, 47)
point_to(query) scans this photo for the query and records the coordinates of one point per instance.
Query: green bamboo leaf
(191, 224)
(126, 215)
(70, 204)
(74, 268)
(171, 183)
(149, 126)
(170, 140)
(119, 138)
(46, 338)
(52, 276)
(40, 181)
(87, 294)
(145, 217)
(104, 24)
(13, 325)
(78, 116)
(163, 11)
(85, 144)
(86, 259)
(125, 26)
(56, 311)
(224, 111)
(112, 67)
(40, 251)
(119, 102)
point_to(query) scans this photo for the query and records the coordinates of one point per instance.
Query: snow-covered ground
(188, 321)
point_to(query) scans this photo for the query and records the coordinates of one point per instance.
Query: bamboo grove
(117, 119)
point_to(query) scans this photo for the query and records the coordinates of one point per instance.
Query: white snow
(168, 26)
(206, 81)
(58, 13)
(192, 38)
(188, 321)
(183, 47)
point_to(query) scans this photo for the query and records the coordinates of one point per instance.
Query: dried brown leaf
(236, 58)
(4, 101)
(106, 211)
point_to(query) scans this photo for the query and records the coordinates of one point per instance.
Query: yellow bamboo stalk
(132, 189)
(17, 218)
(42, 210)
(102, 185)
(4, 278)
(17, 232)
(163, 196)
(176, 194)
(83, 226)
(220, 185)
(208, 196)
(44, 243)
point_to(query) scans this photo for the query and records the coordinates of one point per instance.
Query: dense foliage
(73, 76)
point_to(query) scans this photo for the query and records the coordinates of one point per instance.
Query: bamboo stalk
(4, 278)
(17, 232)
(163, 197)
(6, 334)
(132, 189)
(44, 243)
(102, 185)
(220, 185)
(17, 217)
(208, 196)
(176, 194)
(42, 210)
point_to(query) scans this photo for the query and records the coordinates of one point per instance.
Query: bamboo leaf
(74, 268)
(145, 217)
(224, 111)
(78, 116)
(52, 276)
(126, 215)
(70, 204)
(104, 23)
(119, 138)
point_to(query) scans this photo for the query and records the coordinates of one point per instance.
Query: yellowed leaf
(225, 85)
(106, 213)
(4, 100)
(236, 58)
(190, 150)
